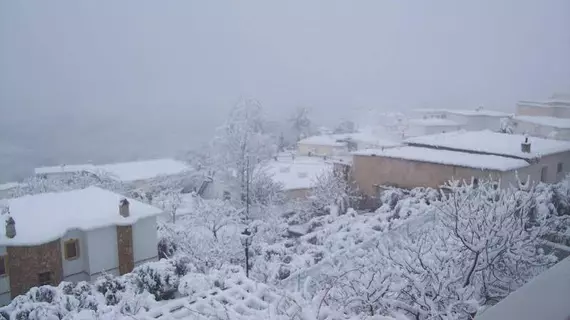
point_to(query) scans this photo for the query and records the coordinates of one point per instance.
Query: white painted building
(73, 236)
(472, 120)
(557, 106)
(420, 127)
(6, 189)
(542, 126)
(341, 144)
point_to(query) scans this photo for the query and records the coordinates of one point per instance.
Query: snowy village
(285, 160)
(439, 214)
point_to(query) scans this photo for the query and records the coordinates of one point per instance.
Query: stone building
(72, 236)
(430, 161)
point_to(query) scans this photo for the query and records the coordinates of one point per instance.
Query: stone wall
(26, 263)
(125, 249)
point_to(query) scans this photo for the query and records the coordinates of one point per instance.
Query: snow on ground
(491, 142)
(297, 173)
(545, 121)
(447, 157)
(142, 170)
(45, 217)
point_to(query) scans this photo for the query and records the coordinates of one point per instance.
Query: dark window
(227, 195)
(3, 265)
(544, 174)
(71, 249)
(44, 278)
(560, 167)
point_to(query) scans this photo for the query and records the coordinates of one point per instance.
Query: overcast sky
(109, 73)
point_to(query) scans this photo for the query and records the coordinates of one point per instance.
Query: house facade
(472, 120)
(431, 161)
(542, 126)
(73, 236)
(420, 127)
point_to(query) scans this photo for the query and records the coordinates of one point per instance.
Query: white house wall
(103, 253)
(77, 269)
(5, 296)
(145, 241)
(476, 122)
(534, 171)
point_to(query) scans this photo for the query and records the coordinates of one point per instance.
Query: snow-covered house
(427, 126)
(341, 144)
(138, 173)
(72, 236)
(473, 120)
(557, 106)
(542, 126)
(297, 176)
(429, 161)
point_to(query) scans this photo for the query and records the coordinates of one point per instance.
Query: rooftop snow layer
(491, 142)
(300, 173)
(65, 169)
(447, 157)
(45, 217)
(434, 122)
(358, 137)
(466, 112)
(141, 170)
(546, 121)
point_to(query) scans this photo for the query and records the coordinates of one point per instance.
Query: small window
(44, 278)
(543, 174)
(71, 249)
(227, 195)
(3, 266)
(560, 167)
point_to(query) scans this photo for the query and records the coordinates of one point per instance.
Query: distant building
(135, 172)
(430, 161)
(420, 127)
(542, 126)
(472, 120)
(341, 144)
(557, 106)
(72, 236)
(6, 189)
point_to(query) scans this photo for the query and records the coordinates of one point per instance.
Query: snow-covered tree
(345, 126)
(300, 123)
(506, 126)
(331, 194)
(242, 144)
(170, 202)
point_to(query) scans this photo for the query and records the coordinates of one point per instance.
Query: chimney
(525, 146)
(10, 228)
(124, 208)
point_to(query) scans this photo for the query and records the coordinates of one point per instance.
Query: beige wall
(530, 110)
(370, 171)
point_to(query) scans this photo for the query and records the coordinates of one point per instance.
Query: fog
(118, 80)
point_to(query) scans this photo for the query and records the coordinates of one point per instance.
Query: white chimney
(124, 208)
(525, 146)
(10, 228)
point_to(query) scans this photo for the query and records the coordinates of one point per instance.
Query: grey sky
(105, 71)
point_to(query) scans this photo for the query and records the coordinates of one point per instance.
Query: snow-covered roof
(45, 217)
(323, 140)
(491, 142)
(466, 112)
(434, 122)
(545, 121)
(300, 173)
(447, 157)
(9, 185)
(358, 137)
(543, 297)
(65, 169)
(141, 170)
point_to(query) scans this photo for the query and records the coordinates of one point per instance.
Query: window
(3, 266)
(71, 249)
(44, 278)
(543, 174)
(560, 167)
